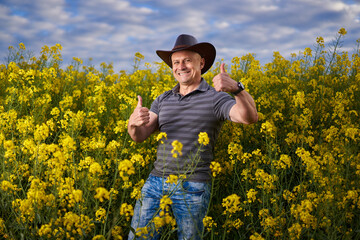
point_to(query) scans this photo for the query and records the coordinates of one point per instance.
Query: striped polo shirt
(182, 118)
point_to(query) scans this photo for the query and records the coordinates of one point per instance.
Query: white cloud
(266, 8)
(114, 11)
(11, 23)
(222, 24)
(51, 10)
(113, 30)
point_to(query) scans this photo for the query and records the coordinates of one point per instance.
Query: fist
(140, 116)
(223, 82)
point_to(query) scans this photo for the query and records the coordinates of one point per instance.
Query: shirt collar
(204, 86)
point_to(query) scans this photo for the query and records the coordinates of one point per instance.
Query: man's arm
(142, 123)
(244, 111)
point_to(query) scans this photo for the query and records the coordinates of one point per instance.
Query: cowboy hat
(190, 43)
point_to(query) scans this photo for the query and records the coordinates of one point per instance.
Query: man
(190, 108)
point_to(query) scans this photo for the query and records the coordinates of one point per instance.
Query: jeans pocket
(194, 187)
(197, 195)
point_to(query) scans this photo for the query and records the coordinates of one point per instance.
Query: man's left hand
(223, 82)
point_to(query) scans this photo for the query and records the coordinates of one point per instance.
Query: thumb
(139, 101)
(222, 68)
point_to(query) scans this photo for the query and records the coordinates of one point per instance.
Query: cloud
(10, 24)
(114, 30)
(113, 11)
(222, 24)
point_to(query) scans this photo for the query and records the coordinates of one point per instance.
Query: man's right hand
(140, 116)
(142, 122)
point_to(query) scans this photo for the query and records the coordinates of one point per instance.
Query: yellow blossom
(100, 215)
(163, 219)
(126, 169)
(79, 60)
(137, 158)
(307, 52)
(269, 128)
(231, 204)
(256, 236)
(172, 179)
(136, 193)
(287, 195)
(209, 223)
(320, 41)
(203, 138)
(41, 132)
(160, 136)
(352, 133)
(116, 233)
(342, 31)
(139, 56)
(101, 194)
(299, 99)
(121, 126)
(177, 147)
(237, 223)
(126, 210)
(142, 232)
(303, 212)
(78, 195)
(99, 237)
(215, 168)
(46, 230)
(22, 46)
(283, 163)
(165, 201)
(251, 195)
(295, 231)
(8, 186)
(68, 143)
(86, 163)
(95, 169)
(265, 180)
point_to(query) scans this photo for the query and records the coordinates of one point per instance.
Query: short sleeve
(223, 103)
(155, 106)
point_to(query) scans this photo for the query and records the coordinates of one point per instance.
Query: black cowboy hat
(188, 42)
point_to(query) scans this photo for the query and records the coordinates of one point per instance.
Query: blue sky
(114, 30)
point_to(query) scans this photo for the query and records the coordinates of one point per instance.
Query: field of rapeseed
(69, 170)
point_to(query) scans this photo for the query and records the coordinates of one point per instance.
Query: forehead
(185, 54)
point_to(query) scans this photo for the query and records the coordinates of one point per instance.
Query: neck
(186, 89)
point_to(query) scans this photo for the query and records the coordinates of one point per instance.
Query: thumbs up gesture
(223, 82)
(140, 116)
(139, 105)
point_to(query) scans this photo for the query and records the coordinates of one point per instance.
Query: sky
(112, 31)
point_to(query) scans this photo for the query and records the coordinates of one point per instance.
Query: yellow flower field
(69, 170)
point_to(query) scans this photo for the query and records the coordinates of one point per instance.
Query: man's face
(186, 67)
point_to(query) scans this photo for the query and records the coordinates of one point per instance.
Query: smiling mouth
(183, 73)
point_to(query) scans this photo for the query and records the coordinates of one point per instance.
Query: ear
(202, 63)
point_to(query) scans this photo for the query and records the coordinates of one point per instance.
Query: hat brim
(206, 51)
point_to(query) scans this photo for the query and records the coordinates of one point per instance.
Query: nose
(182, 65)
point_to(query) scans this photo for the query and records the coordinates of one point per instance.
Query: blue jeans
(190, 201)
